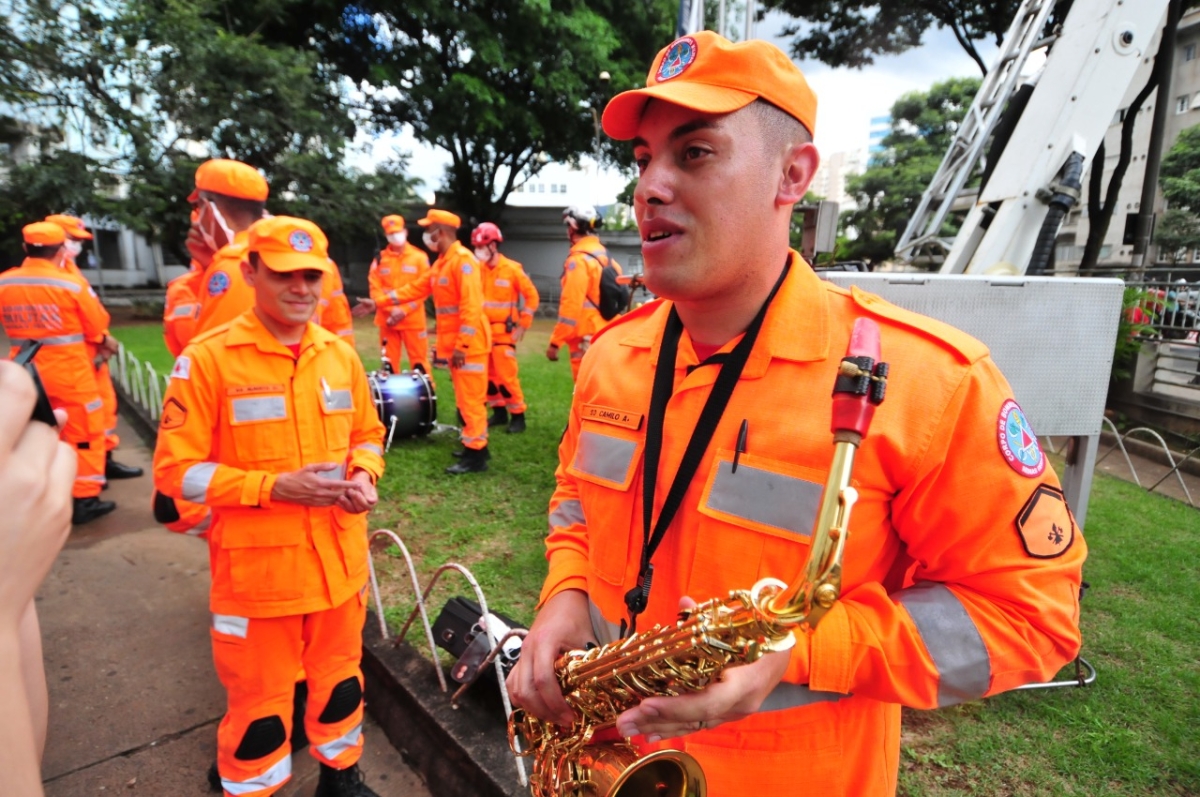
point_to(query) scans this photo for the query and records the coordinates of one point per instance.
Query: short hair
(42, 252)
(780, 129)
(250, 208)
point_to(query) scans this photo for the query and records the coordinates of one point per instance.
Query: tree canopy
(1179, 176)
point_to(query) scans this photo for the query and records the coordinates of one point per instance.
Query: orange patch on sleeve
(174, 414)
(1045, 524)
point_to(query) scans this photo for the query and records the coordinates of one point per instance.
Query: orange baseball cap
(43, 233)
(708, 73)
(435, 216)
(393, 224)
(230, 178)
(286, 243)
(72, 225)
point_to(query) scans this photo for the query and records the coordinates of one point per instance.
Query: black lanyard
(714, 407)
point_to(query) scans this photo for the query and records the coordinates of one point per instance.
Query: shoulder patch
(183, 368)
(218, 283)
(1018, 444)
(966, 347)
(466, 268)
(1045, 525)
(174, 414)
(644, 311)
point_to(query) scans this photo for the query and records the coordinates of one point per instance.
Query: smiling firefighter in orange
(269, 421)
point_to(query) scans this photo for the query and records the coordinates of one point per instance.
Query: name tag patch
(598, 412)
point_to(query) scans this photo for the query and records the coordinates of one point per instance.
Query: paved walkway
(134, 700)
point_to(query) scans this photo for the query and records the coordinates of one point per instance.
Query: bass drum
(406, 403)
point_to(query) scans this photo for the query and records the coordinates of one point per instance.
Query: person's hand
(307, 488)
(363, 306)
(361, 497)
(518, 334)
(109, 346)
(552, 353)
(458, 359)
(395, 316)
(37, 472)
(738, 694)
(562, 624)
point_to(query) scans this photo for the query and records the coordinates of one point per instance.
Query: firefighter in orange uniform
(230, 196)
(399, 264)
(509, 301)
(333, 312)
(43, 301)
(181, 310)
(464, 337)
(268, 420)
(962, 568)
(578, 305)
(99, 350)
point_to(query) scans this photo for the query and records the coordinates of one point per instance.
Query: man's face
(706, 188)
(287, 297)
(196, 244)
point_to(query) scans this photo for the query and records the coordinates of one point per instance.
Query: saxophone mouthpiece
(861, 381)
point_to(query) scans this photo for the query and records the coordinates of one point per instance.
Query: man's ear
(249, 272)
(799, 167)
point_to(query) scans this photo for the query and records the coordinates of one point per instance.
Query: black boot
(118, 470)
(347, 782)
(499, 417)
(516, 423)
(88, 509)
(214, 779)
(474, 460)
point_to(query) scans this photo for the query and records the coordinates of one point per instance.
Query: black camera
(42, 411)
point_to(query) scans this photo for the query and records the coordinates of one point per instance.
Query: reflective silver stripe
(345, 333)
(602, 629)
(183, 309)
(467, 330)
(196, 481)
(568, 513)
(259, 408)
(588, 304)
(369, 447)
(53, 340)
(480, 439)
(786, 695)
(338, 293)
(763, 496)
(43, 282)
(395, 297)
(604, 457)
(202, 526)
(337, 473)
(110, 431)
(497, 305)
(99, 477)
(449, 309)
(562, 319)
(577, 355)
(338, 400)
(231, 624)
(331, 750)
(474, 367)
(953, 642)
(92, 406)
(272, 777)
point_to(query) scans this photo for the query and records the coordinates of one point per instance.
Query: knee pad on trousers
(504, 392)
(492, 388)
(165, 510)
(344, 701)
(263, 737)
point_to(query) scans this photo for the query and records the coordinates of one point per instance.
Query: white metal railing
(141, 383)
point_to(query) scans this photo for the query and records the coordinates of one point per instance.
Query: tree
(1177, 234)
(497, 84)
(1179, 176)
(887, 193)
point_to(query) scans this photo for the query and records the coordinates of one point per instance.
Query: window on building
(554, 188)
(1182, 104)
(1189, 52)
(562, 189)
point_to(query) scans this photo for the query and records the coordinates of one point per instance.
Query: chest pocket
(337, 416)
(755, 522)
(260, 427)
(606, 463)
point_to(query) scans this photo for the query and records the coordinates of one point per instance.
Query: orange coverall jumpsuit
(181, 311)
(288, 581)
(457, 289)
(961, 574)
(333, 310)
(505, 285)
(390, 271)
(41, 301)
(104, 383)
(578, 314)
(222, 291)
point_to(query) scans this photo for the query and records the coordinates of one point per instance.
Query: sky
(847, 99)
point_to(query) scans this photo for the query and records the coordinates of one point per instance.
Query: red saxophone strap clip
(861, 381)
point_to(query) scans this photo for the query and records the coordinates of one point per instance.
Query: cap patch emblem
(680, 55)
(218, 283)
(1018, 443)
(301, 241)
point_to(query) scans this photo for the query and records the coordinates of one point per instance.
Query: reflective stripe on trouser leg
(416, 344)
(470, 396)
(87, 429)
(332, 661)
(109, 397)
(577, 349)
(502, 369)
(256, 660)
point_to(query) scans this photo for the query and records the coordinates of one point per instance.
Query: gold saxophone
(588, 759)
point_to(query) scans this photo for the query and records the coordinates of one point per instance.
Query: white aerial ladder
(1016, 215)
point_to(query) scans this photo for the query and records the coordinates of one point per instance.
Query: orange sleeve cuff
(256, 490)
(830, 653)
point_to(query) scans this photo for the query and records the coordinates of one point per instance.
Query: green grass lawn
(1135, 732)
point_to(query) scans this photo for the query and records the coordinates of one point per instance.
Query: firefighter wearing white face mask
(230, 196)
(400, 328)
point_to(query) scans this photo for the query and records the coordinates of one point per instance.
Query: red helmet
(486, 233)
